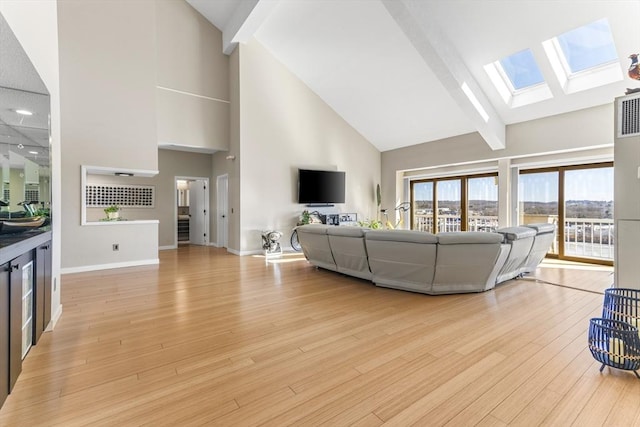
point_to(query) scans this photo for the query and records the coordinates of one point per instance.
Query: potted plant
(113, 212)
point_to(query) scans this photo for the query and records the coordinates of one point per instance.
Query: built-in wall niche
(130, 189)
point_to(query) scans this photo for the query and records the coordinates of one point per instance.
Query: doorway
(192, 210)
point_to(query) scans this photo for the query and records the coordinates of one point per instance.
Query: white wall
(192, 79)
(283, 125)
(572, 136)
(42, 48)
(108, 99)
(223, 166)
(627, 210)
(177, 163)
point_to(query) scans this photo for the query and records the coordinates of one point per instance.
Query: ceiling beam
(245, 21)
(424, 32)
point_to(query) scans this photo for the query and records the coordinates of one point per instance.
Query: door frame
(175, 205)
(561, 207)
(220, 225)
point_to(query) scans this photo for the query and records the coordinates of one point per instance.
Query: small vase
(113, 215)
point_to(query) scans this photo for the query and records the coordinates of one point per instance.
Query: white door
(198, 206)
(222, 191)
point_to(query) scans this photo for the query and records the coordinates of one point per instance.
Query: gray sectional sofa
(416, 261)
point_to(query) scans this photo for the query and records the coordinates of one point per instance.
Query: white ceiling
(358, 58)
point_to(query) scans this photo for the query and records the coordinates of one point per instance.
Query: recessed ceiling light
(24, 112)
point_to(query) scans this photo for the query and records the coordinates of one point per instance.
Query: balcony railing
(583, 237)
(589, 237)
(452, 223)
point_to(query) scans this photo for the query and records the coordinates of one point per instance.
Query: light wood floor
(216, 339)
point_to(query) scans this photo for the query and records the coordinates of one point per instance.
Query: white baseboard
(245, 253)
(165, 248)
(86, 268)
(214, 244)
(54, 319)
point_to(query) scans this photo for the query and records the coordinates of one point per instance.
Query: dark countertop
(14, 245)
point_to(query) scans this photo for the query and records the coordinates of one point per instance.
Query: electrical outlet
(116, 247)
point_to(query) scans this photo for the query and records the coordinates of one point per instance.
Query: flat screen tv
(320, 187)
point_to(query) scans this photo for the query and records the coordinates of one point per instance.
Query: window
(579, 200)
(585, 57)
(467, 203)
(588, 46)
(521, 70)
(518, 79)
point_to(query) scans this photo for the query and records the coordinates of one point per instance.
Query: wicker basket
(615, 343)
(623, 305)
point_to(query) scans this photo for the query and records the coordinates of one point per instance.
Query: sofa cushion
(315, 245)
(516, 233)
(468, 237)
(412, 236)
(402, 263)
(349, 252)
(521, 240)
(542, 227)
(468, 261)
(347, 231)
(314, 228)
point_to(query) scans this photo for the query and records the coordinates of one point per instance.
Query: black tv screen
(320, 186)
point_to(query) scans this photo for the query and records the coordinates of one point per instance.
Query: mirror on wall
(25, 188)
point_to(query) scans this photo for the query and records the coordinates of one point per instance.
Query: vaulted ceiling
(394, 69)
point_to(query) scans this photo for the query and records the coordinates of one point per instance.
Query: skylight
(518, 79)
(521, 70)
(585, 57)
(588, 46)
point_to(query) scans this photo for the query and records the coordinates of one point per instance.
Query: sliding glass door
(449, 205)
(538, 199)
(588, 211)
(464, 203)
(422, 206)
(482, 203)
(579, 200)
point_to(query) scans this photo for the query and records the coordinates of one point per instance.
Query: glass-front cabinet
(27, 307)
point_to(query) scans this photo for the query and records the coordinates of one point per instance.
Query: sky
(585, 47)
(580, 184)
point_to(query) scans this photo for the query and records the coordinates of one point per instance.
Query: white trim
(590, 78)
(127, 222)
(87, 268)
(166, 248)
(207, 207)
(220, 225)
(182, 92)
(214, 244)
(104, 170)
(54, 319)
(245, 253)
(83, 194)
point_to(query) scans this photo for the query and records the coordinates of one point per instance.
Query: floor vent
(629, 116)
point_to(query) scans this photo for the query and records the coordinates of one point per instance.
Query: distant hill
(573, 208)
